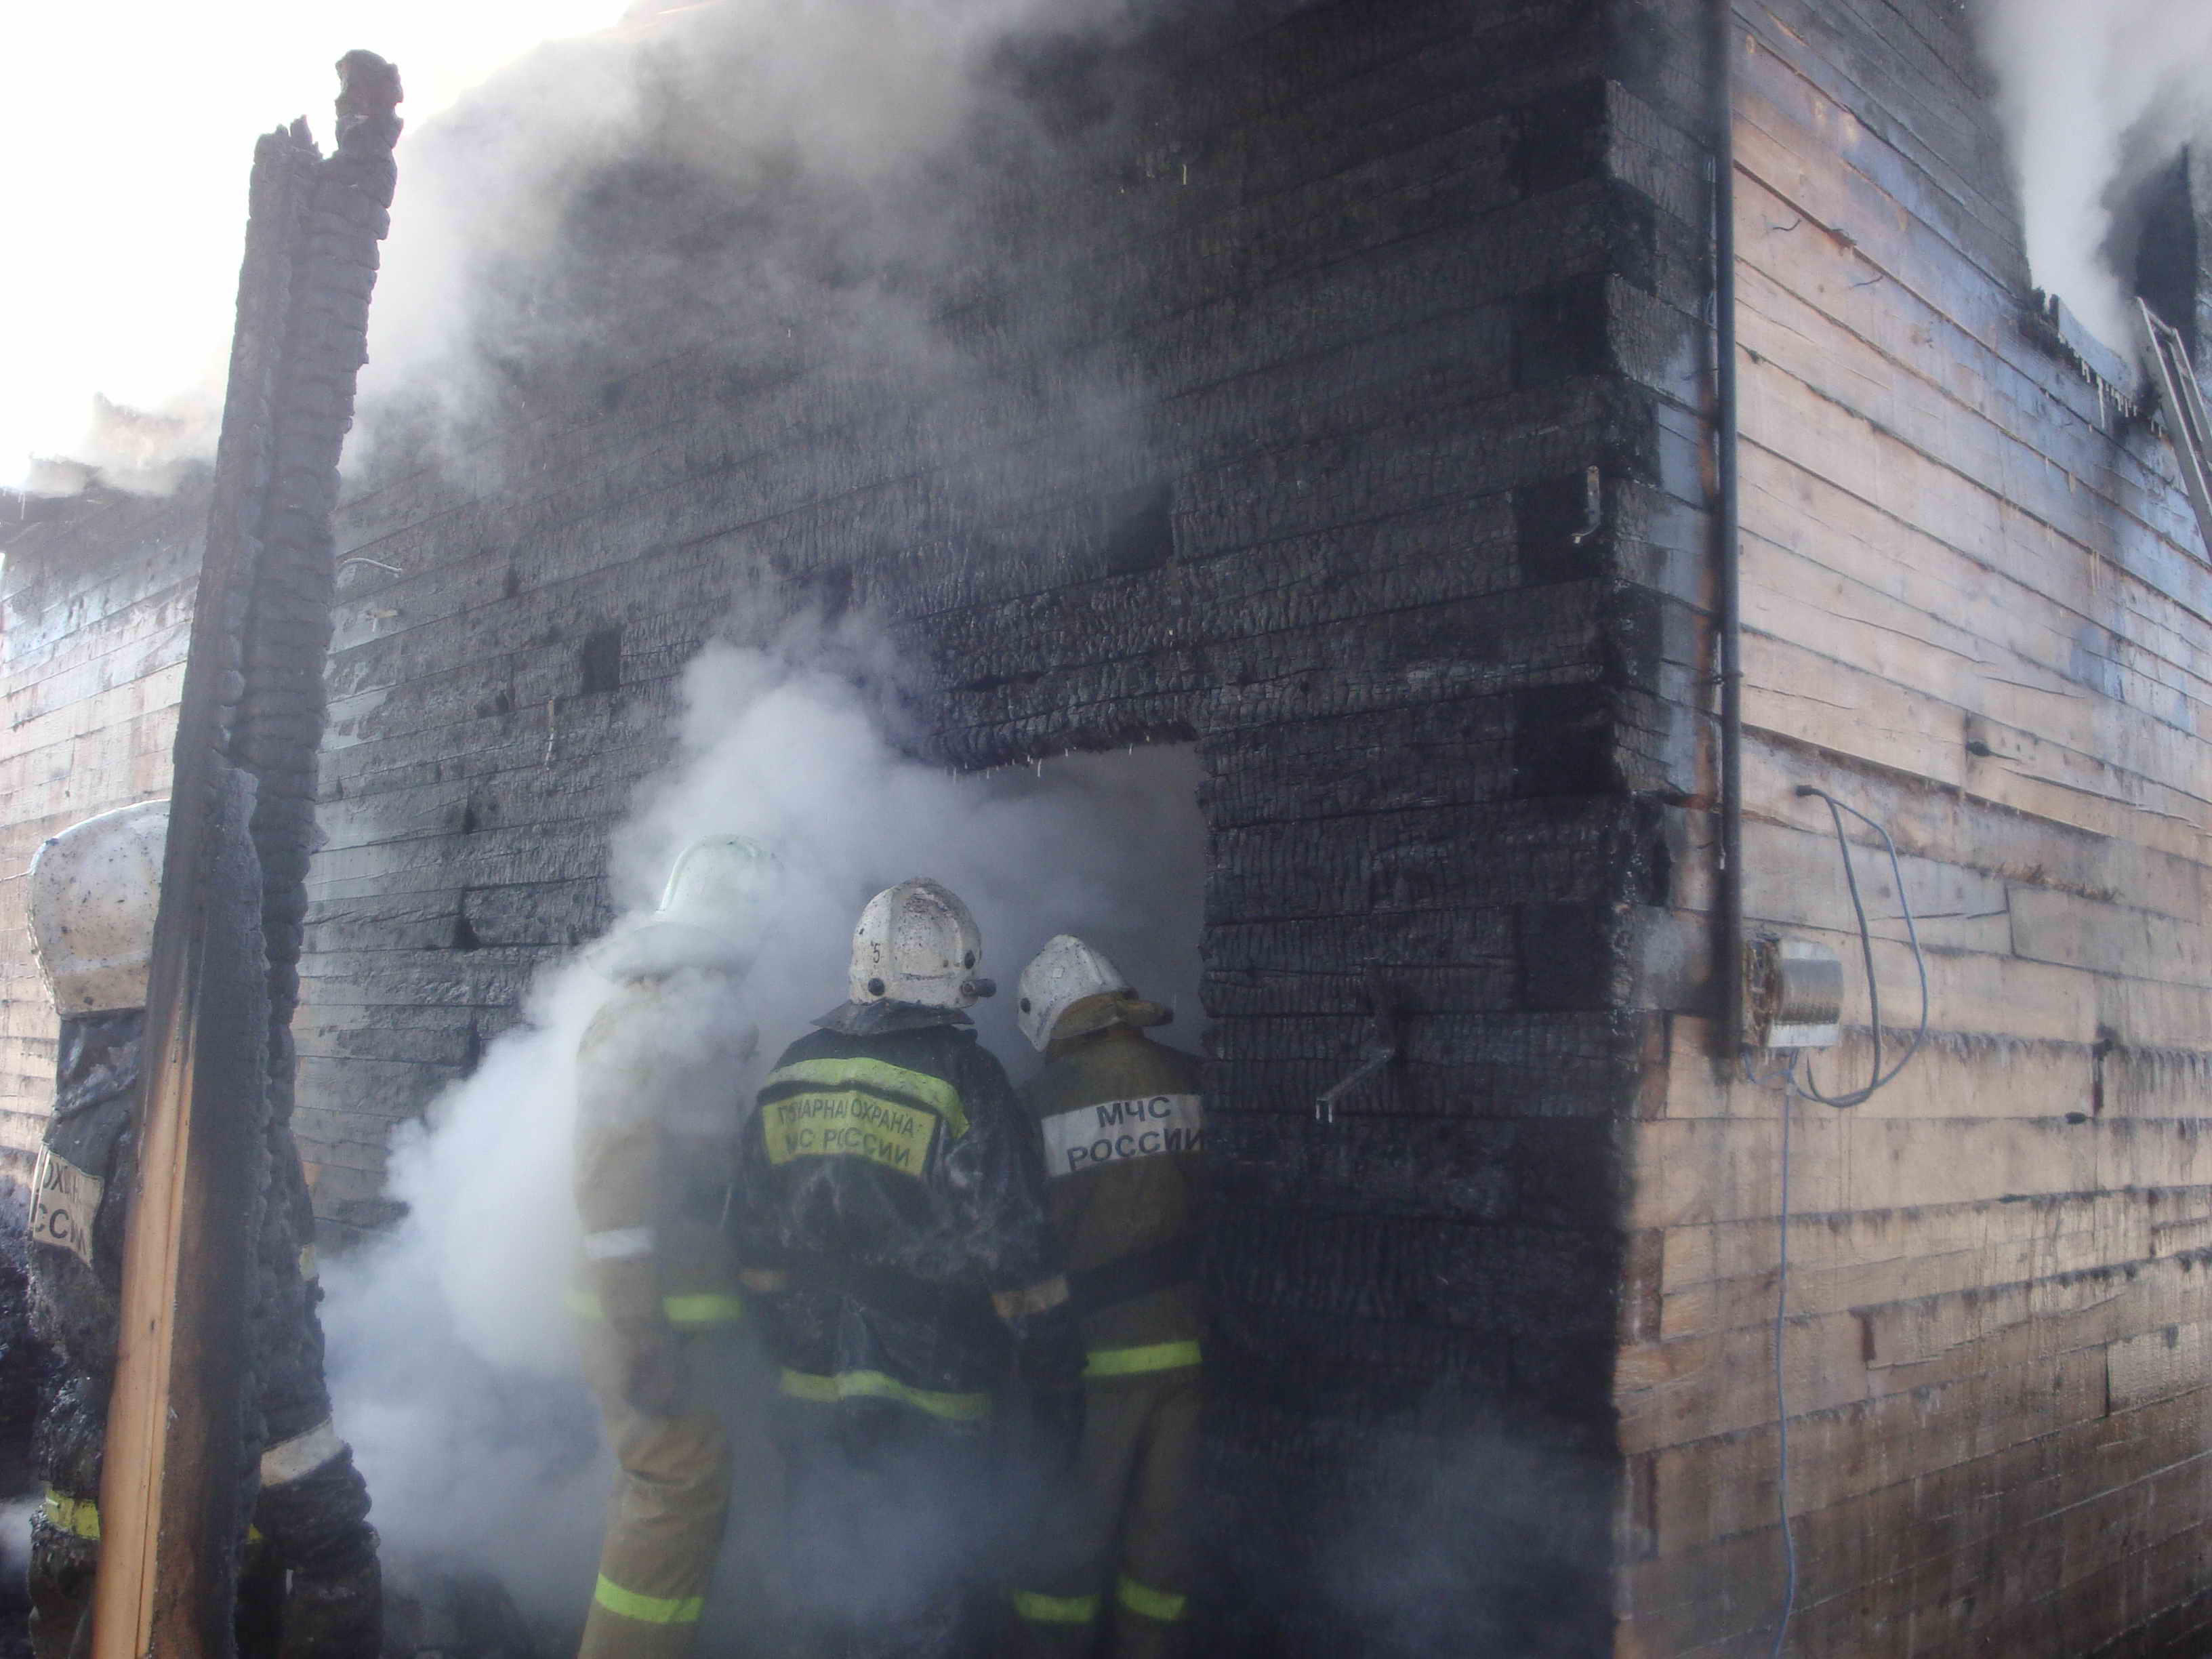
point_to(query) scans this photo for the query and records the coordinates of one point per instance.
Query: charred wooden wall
(1375, 287)
(1976, 607)
(1379, 288)
(95, 607)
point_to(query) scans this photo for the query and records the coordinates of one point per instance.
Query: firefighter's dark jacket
(312, 1505)
(84, 1180)
(889, 1189)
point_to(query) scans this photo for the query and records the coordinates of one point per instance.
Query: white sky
(125, 138)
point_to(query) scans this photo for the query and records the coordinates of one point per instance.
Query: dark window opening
(601, 660)
(1128, 878)
(2162, 223)
(1139, 533)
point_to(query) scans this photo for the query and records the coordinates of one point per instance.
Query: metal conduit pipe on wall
(1727, 620)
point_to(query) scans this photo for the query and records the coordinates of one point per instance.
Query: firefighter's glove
(653, 1379)
(1051, 1360)
(1057, 1416)
(1048, 1340)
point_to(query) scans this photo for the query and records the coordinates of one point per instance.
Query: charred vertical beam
(224, 976)
(344, 214)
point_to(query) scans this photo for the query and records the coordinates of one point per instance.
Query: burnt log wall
(1379, 288)
(1976, 607)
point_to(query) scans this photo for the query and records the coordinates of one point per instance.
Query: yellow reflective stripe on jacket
(874, 1385)
(1152, 1603)
(1055, 1609)
(1134, 1362)
(648, 1609)
(692, 1311)
(879, 1077)
(686, 1312)
(78, 1516)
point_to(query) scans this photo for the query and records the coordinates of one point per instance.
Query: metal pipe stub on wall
(1793, 994)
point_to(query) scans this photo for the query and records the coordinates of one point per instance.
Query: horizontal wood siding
(95, 603)
(1976, 607)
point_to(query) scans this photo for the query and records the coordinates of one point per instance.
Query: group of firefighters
(976, 1309)
(948, 1280)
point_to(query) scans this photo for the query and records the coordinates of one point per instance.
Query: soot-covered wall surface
(1303, 405)
(1324, 386)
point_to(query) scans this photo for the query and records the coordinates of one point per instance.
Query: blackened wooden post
(181, 1444)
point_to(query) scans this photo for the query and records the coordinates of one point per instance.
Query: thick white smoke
(119, 322)
(16, 1536)
(2094, 97)
(451, 1351)
(128, 131)
(749, 172)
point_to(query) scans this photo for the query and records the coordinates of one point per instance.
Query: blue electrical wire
(1781, 1394)
(1792, 1089)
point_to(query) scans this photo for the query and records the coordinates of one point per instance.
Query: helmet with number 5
(917, 943)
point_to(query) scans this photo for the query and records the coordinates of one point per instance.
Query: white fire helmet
(1058, 977)
(93, 891)
(710, 916)
(916, 942)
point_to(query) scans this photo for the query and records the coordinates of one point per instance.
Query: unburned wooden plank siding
(1976, 607)
(94, 605)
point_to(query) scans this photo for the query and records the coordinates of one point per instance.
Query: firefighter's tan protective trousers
(666, 1523)
(1115, 1547)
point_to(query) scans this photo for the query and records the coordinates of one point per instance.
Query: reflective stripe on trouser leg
(1140, 1360)
(1132, 1595)
(1153, 1578)
(647, 1609)
(1131, 1482)
(1054, 1627)
(665, 1524)
(1038, 1608)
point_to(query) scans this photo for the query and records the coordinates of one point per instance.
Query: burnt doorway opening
(1128, 877)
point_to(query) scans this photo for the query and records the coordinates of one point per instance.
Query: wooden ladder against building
(2186, 423)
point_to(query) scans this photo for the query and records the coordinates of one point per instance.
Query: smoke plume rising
(451, 1348)
(129, 132)
(785, 185)
(2094, 99)
(582, 183)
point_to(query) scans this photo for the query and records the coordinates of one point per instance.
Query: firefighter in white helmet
(1122, 1124)
(665, 1077)
(94, 892)
(891, 1216)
